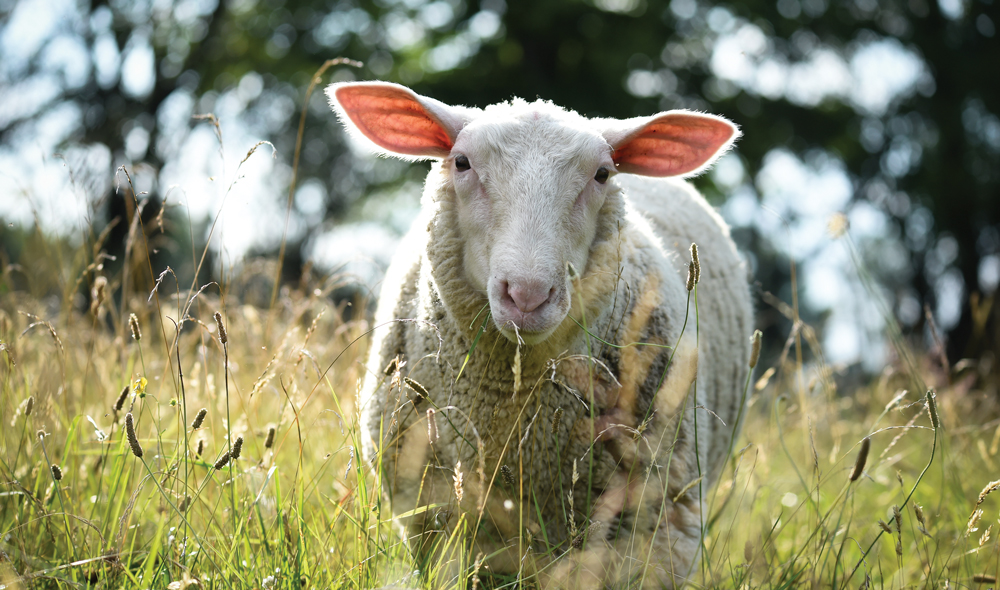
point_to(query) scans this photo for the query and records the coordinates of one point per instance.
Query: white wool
(508, 229)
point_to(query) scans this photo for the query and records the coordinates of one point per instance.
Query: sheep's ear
(675, 143)
(396, 119)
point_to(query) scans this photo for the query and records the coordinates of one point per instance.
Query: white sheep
(568, 446)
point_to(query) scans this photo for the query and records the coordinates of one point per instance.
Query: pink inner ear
(394, 120)
(674, 144)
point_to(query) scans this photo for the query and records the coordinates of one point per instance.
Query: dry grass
(122, 499)
(796, 506)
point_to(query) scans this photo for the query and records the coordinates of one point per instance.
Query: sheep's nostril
(529, 296)
(504, 291)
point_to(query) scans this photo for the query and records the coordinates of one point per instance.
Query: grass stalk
(935, 423)
(62, 503)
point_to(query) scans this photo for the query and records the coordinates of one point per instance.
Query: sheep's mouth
(526, 336)
(531, 327)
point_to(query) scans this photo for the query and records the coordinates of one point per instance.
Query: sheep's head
(529, 181)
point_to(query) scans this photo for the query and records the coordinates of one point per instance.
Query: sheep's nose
(528, 295)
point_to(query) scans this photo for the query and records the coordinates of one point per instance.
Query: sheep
(529, 398)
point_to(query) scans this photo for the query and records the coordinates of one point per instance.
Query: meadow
(162, 433)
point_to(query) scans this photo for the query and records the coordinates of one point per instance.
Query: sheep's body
(617, 418)
(581, 454)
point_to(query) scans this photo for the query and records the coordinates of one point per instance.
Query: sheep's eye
(602, 175)
(462, 163)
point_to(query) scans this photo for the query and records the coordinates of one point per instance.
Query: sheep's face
(528, 186)
(528, 182)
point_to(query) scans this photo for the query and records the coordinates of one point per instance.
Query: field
(85, 504)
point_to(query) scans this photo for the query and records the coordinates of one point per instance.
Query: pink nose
(528, 295)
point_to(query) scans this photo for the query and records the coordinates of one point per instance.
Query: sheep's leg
(666, 557)
(447, 540)
(585, 569)
(644, 560)
(639, 539)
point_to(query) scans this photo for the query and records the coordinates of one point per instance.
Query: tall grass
(85, 505)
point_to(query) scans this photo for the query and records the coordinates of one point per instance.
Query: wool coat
(595, 446)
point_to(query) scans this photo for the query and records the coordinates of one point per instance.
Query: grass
(299, 508)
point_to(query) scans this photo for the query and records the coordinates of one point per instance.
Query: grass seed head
(508, 475)
(556, 421)
(432, 430)
(755, 348)
(133, 324)
(223, 336)
(120, 402)
(932, 409)
(133, 440)
(885, 527)
(55, 337)
(223, 460)
(459, 479)
(989, 489)
(98, 293)
(984, 579)
(199, 419)
(517, 368)
(395, 380)
(897, 519)
(29, 405)
(859, 464)
(695, 263)
(919, 511)
(837, 225)
(417, 388)
(237, 448)
(691, 282)
(393, 366)
(973, 525)
(201, 447)
(269, 441)
(6, 347)
(56, 473)
(475, 571)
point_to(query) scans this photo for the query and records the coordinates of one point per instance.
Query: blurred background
(883, 114)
